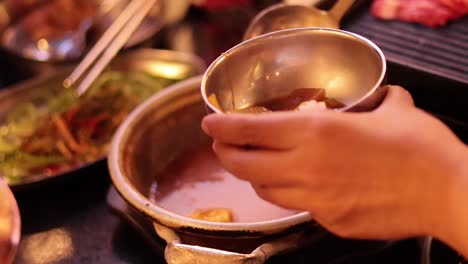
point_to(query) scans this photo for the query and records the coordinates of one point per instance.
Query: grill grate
(431, 62)
(441, 51)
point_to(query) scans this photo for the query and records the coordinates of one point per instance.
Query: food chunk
(214, 215)
(294, 99)
(298, 100)
(311, 105)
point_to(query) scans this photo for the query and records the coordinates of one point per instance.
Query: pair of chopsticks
(113, 39)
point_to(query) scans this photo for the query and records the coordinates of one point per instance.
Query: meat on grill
(431, 13)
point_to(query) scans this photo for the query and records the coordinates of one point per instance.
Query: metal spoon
(284, 16)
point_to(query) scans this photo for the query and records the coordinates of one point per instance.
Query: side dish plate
(162, 64)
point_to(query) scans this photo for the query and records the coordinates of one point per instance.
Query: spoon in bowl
(285, 16)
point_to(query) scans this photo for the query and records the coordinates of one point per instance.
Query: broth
(297, 100)
(198, 181)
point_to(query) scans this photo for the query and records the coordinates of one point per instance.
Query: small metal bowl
(349, 67)
(10, 224)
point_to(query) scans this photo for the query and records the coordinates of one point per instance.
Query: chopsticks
(113, 39)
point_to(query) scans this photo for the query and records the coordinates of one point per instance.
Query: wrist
(452, 227)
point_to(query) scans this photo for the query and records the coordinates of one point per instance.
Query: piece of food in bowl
(56, 131)
(292, 100)
(298, 100)
(224, 215)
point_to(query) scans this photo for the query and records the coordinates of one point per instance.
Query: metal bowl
(155, 134)
(10, 224)
(349, 67)
(70, 46)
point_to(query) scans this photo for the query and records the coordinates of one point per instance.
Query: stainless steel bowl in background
(10, 224)
(349, 67)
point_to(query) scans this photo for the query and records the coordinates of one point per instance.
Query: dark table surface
(67, 220)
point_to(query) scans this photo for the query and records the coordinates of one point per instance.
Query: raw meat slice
(427, 12)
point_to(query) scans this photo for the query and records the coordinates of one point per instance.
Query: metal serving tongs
(113, 39)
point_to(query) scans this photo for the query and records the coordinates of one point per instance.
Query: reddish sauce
(198, 181)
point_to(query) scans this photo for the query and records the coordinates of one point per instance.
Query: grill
(432, 63)
(442, 51)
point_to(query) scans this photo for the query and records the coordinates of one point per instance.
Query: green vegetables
(63, 130)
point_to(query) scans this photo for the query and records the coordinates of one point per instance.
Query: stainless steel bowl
(349, 67)
(10, 224)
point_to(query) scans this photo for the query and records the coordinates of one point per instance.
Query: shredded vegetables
(65, 131)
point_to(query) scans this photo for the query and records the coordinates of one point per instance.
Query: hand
(373, 175)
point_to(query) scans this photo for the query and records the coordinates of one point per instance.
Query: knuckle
(249, 135)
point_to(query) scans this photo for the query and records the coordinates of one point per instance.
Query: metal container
(10, 224)
(158, 63)
(349, 67)
(154, 135)
(81, 38)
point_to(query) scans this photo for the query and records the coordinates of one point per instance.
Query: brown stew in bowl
(197, 185)
(299, 99)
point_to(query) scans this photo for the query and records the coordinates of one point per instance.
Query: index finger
(280, 130)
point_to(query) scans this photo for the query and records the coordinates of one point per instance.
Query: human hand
(373, 175)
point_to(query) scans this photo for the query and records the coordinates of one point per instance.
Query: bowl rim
(307, 30)
(159, 214)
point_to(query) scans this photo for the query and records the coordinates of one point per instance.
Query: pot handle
(178, 253)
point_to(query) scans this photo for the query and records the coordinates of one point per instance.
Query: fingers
(397, 97)
(272, 130)
(258, 166)
(286, 197)
(284, 130)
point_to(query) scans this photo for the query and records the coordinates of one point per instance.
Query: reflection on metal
(47, 247)
(426, 244)
(169, 70)
(43, 44)
(9, 224)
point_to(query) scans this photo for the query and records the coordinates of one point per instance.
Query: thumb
(398, 97)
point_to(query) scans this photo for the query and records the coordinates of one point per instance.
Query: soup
(297, 100)
(196, 185)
